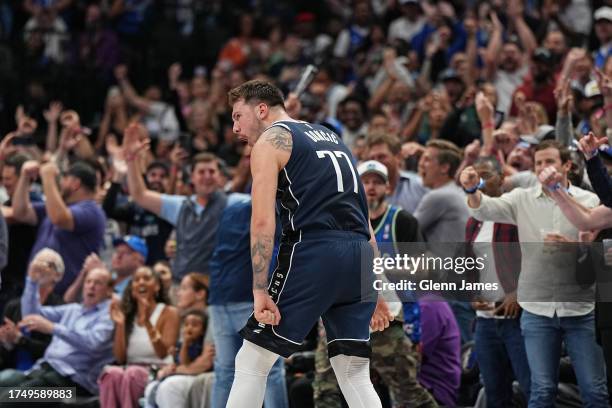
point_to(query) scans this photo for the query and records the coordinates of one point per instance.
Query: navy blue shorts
(320, 275)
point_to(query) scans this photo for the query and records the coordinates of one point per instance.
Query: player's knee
(351, 369)
(254, 360)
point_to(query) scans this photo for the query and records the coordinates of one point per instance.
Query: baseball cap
(404, 2)
(542, 55)
(603, 13)
(135, 243)
(449, 74)
(373, 166)
(85, 173)
(591, 89)
(544, 132)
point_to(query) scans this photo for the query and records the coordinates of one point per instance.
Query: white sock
(253, 363)
(353, 374)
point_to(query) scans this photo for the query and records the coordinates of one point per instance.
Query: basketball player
(325, 225)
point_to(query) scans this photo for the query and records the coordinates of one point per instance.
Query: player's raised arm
(268, 157)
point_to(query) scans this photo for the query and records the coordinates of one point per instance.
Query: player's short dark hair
(392, 141)
(448, 153)
(564, 152)
(16, 161)
(257, 91)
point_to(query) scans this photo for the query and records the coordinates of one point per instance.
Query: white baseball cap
(373, 166)
(603, 13)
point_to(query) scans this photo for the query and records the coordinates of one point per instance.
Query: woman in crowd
(146, 327)
(192, 293)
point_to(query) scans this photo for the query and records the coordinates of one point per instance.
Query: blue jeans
(500, 351)
(227, 320)
(464, 314)
(543, 337)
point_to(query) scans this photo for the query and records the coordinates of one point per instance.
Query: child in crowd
(189, 353)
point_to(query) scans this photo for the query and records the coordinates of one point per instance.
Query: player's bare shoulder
(279, 137)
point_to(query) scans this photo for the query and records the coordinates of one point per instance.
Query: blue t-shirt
(231, 273)
(74, 246)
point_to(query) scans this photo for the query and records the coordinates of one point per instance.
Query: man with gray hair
(82, 336)
(19, 350)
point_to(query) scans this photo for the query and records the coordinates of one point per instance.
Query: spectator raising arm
(58, 212)
(22, 207)
(135, 140)
(486, 115)
(563, 127)
(515, 13)
(30, 300)
(484, 208)
(494, 47)
(601, 181)
(585, 219)
(4, 242)
(140, 103)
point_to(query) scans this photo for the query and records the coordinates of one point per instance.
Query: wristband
(472, 190)
(488, 125)
(557, 186)
(130, 157)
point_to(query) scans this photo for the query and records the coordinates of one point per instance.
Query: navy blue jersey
(319, 188)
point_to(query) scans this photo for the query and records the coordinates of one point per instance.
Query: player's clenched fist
(264, 308)
(469, 178)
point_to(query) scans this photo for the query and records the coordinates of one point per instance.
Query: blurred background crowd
(131, 276)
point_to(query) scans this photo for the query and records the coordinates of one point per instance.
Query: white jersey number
(333, 156)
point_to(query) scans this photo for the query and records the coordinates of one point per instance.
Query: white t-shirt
(405, 29)
(483, 248)
(506, 83)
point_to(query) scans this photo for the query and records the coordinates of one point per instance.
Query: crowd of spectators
(126, 206)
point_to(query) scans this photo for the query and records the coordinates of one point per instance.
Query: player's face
(375, 189)
(246, 124)
(205, 178)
